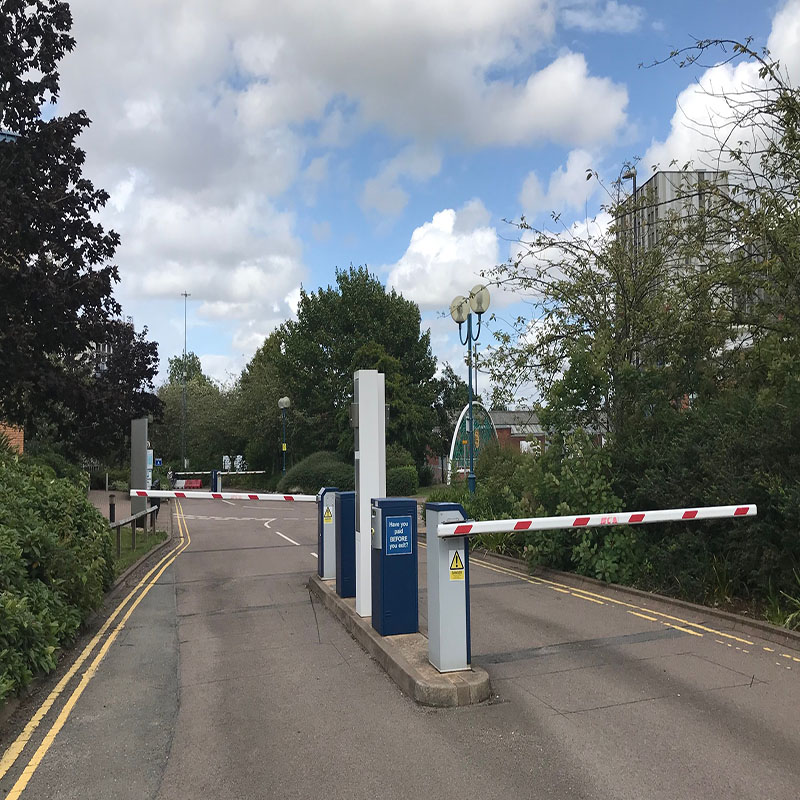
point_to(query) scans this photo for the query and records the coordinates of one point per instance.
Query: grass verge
(143, 545)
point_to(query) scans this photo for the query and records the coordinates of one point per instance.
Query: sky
(251, 148)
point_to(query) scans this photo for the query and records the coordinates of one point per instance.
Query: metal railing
(148, 514)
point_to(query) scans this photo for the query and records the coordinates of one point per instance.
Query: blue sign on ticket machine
(344, 512)
(326, 534)
(395, 604)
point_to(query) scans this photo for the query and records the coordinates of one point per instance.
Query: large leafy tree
(56, 278)
(356, 324)
(210, 433)
(685, 353)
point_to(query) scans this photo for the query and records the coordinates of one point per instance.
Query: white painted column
(369, 393)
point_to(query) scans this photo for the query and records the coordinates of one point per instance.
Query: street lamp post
(185, 296)
(629, 174)
(283, 404)
(477, 302)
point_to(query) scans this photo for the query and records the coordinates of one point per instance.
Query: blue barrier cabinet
(395, 604)
(326, 533)
(344, 512)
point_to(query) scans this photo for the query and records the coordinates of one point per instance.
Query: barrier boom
(446, 530)
(300, 498)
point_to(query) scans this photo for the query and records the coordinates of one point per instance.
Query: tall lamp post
(460, 308)
(630, 173)
(185, 295)
(283, 404)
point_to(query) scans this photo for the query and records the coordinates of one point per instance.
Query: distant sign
(158, 462)
(226, 463)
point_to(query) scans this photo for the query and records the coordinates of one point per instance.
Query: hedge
(319, 469)
(401, 481)
(55, 564)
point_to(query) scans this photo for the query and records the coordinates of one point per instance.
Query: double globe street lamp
(461, 310)
(283, 404)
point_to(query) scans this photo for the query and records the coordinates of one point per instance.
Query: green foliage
(210, 419)
(425, 473)
(55, 563)
(401, 481)
(322, 468)
(356, 324)
(398, 456)
(56, 279)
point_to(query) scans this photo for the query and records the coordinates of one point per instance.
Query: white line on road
(271, 519)
(315, 555)
(229, 502)
(287, 538)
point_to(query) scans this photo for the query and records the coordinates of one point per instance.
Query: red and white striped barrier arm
(594, 520)
(300, 498)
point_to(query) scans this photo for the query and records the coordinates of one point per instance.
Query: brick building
(15, 436)
(518, 428)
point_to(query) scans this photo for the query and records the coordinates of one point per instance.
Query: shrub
(425, 473)
(401, 481)
(319, 469)
(397, 456)
(55, 563)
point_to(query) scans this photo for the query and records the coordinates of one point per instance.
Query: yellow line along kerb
(16, 747)
(27, 773)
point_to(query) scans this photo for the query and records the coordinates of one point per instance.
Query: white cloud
(701, 107)
(203, 115)
(784, 40)
(567, 189)
(383, 193)
(221, 368)
(613, 17)
(445, 257)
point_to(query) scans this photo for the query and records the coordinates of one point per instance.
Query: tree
(120, 388)
(55, 277)
(683, 354)
(357, 324)
(190, 369)
(255, 409)
(452, 394)
(209, 428)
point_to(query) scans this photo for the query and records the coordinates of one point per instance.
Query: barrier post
(112, 508)
(449, 645)
(326, 533)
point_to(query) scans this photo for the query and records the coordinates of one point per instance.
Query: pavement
(229, 681)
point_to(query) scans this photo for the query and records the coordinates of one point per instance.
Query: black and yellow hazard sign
(456, 568)
(328, 515)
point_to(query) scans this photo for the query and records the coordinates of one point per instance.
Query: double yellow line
(19, 744)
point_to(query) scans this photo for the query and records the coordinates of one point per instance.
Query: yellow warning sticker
(328, 515)
(456, 568)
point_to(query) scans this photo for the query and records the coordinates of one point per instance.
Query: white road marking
(229, 502)
(287, 538)
(271, 519)
(315, 555)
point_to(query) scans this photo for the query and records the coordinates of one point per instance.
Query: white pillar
(369, 393)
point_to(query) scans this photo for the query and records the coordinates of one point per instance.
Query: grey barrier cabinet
(344, 511)
(395, 601)
(449, 646)
(326, 533)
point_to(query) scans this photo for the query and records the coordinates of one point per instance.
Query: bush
(397, 456)
(55, 564)
(319, 469)
(425, 473)
(401, 481)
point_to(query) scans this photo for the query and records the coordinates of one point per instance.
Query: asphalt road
(226, 681)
